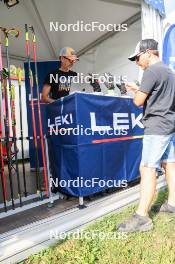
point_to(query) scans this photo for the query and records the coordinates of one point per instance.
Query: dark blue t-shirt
(60, 83)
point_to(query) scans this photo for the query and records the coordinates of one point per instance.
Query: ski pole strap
(11, 31)
(5, 73)
(33, 33)
(19, 75)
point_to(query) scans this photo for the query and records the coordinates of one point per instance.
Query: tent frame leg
(81, 203)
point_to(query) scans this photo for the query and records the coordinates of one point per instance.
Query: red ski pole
(33, 113)
(39, 109)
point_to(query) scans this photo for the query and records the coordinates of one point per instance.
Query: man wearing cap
(57, 83)
(157, 95)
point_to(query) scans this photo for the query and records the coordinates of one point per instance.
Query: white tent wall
(152, 24)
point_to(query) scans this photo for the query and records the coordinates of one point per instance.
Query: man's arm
(45, 94)
(139, 97)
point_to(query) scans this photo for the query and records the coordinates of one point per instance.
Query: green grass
(153, 247)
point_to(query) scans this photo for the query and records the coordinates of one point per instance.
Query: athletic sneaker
(136, 223)
(167, 208)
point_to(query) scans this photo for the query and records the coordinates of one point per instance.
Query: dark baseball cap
(142, 46)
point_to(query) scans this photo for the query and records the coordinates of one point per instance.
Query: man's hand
(132, 87)
(139, 97)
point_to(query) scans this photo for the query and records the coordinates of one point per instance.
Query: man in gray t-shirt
(159, 107)
(157, 96)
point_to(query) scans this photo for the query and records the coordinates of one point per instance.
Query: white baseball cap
(68, 52)
(142, 46)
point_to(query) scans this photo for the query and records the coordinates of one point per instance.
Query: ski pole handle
(27, 32)
(11, 31)
(34, 51)
(27, 40)
(19, 75)
(33, 42)
(6, 40)
(33, 33)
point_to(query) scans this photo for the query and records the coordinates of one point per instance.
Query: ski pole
(12, 32)
(39, 108)
(3, 178)
(19, 76)
(49, 174)
(7, 132)
(33, 113)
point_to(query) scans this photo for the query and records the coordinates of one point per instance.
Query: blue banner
(169, 47)
(159, 5)
(93, 137)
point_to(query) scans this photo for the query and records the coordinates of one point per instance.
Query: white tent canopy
(41, 12)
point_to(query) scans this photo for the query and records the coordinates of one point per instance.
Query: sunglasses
(138, 56)
(69, 59)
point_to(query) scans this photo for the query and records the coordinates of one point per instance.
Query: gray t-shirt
(159, 108)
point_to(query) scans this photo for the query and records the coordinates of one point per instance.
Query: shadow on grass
(161, 198)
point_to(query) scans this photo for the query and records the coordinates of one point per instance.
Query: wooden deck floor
(42, 211)
(35, 214)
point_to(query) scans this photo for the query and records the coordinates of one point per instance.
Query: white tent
(99, 51)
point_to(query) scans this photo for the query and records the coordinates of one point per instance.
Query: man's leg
(168, 162)
(153, 148)
(147, 189)
(140, 221)
(170, 177)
